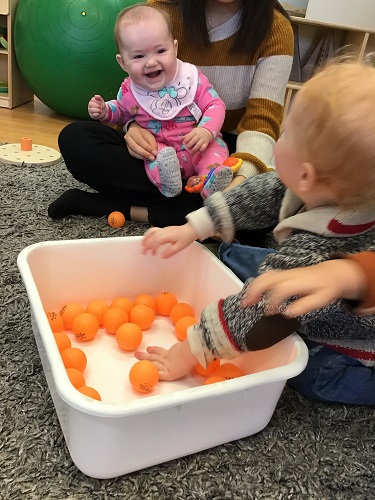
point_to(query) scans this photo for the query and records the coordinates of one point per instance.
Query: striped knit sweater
(305, 238)
(252, 86)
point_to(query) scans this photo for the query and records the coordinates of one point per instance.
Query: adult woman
(245, 47)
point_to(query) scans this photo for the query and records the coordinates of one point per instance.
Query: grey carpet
(308, 451)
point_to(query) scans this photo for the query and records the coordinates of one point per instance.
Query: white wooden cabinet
(18, 91)
(352, 40)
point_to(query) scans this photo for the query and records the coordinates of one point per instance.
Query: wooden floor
(34, 120)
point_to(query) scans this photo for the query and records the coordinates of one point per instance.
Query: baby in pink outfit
(170, 98)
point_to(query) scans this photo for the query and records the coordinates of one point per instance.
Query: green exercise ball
(66, 51)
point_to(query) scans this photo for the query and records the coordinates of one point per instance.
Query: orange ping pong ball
(55, 321)
(129, 336)
(143, 376)
(97, 308)
(113, 318)
(116, 219)
(90, 392)
(213, 379)
(142, 315)
(209, 370)
(180, 310)
(76, 377)
(229, 370)
(182, 325)
(123, 302)
(68, 312)
(164, 303)
(85, 326)
(62, 340)
(145, 298)
(74, 358)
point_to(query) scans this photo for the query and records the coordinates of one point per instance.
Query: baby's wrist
(211, 134)
(104, 113)
(355, 281)
(191, 232)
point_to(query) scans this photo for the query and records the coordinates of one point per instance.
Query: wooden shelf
(19, 92)
(342, 27)
(294, 85)
(355, 40)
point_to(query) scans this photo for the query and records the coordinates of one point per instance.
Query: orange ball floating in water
(164, 303)
(116, 219)
(129, 336)
(74, 358)
(229, 370)
(113, 318)
(90, 392)
(143, 316)
(97, 308)
(213, 379)
(209, 370)
(68, 312)
(146, 299)
(143, 376)
(182, 325)
(180, 310)
(55, 321)
(76, 377)
(62, 340)
(123, 303)
(85, 326)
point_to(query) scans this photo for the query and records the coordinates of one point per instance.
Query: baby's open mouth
(154, 74)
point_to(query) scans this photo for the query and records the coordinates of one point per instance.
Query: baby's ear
(175, 43)
(120, 60)
(308, 176)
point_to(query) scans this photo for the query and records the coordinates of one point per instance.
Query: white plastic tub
(126, 432)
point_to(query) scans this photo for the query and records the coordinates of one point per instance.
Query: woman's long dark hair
(256, 21)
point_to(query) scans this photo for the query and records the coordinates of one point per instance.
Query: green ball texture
(66, 51)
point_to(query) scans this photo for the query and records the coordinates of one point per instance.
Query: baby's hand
(198, 140)
(314, 287)
(176, 238)
(97, 108)
(173, 363)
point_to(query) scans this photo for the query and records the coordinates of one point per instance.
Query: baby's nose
(151, 61)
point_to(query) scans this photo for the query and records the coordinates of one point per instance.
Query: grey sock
(170, 172)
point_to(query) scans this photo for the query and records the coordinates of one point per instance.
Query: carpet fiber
(309, 450)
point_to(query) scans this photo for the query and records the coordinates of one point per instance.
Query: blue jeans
(243, 260)
(329, 375)
(335, 378)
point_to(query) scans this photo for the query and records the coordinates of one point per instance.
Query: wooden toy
(25, 153)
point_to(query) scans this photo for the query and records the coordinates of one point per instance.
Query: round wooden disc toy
(26, 153)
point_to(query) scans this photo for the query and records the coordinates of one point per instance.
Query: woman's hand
(141, 143)
(173, 363)
(315, 286)
(176, 238)
(238, 179)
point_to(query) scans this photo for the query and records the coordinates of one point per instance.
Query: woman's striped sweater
(252, 86)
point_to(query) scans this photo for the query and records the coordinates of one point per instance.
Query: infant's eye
(138, 56)
(161, 51)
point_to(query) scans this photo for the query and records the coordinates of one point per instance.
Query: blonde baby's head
(334, 130)
(147, 51)
(136, 14)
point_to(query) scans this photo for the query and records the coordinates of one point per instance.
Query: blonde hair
(336, 125)
(135, 14)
